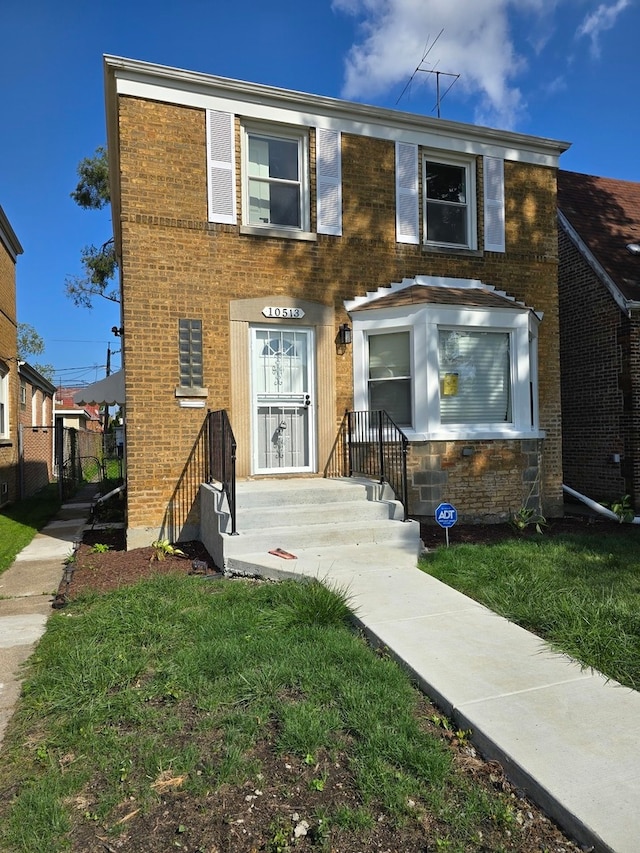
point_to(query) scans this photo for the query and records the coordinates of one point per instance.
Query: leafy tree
(98, 262)
(31, 343)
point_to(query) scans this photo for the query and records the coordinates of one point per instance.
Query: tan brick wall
(177, 265)
(8, 356)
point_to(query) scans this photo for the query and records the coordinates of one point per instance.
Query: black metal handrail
(222, 458)
(370, 444)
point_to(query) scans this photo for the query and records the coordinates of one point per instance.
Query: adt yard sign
(446, 515)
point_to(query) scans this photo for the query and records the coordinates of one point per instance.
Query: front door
(283, 423)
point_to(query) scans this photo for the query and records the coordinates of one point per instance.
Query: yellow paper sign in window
(450, 385)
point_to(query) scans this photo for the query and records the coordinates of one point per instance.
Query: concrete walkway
(565, 735)
(27, 590)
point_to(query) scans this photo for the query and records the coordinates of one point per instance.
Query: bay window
(446, 372)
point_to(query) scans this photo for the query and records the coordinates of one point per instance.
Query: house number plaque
(283, 313)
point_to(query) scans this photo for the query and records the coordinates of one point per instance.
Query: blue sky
(565, 69)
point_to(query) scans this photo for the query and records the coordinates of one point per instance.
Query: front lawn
(20, 522)
(579, 592)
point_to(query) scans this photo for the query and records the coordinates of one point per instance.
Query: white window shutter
(329, 181)
(494, 236)
(221, 180)
(407, 218)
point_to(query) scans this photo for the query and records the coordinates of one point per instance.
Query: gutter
(596, 507)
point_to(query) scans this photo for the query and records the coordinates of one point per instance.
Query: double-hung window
(449, 202)
(276, 193)
(389, 375)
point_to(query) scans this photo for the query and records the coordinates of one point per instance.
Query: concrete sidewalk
(27, 590)
(567, 736)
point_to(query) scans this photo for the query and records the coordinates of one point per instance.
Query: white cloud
(482, 40)
(604, 18)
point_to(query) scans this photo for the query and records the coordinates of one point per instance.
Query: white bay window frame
(424, 322)
(275, 132)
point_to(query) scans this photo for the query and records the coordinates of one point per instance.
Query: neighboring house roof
(66, 405)
(37, 380)
(602, 216)
(8, 236)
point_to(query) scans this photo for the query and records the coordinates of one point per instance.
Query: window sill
(274, 231)
(6, 442)
(474, 435)
(462, 251)
(186, 391)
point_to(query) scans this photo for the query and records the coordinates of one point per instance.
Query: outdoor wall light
(117, 332)
(634, 248)
(344, 335)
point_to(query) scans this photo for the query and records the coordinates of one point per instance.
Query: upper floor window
(23, 394)
(449, 203)
(275, 185)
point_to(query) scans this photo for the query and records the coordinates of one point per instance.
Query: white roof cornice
(190, 88)
(8, 236)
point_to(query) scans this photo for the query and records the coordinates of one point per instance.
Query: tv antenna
(419, 68)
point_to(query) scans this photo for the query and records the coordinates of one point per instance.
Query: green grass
(188, 676)
(20, 522)
(581, 593)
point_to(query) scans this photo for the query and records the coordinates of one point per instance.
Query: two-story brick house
(10, 248)
(286, 257)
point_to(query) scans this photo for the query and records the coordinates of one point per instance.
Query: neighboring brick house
(599, 287)
(36, 434)
(10, 248)
(252, 222)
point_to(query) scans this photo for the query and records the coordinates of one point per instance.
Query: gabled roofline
(626, 305)
(8, 236)
(35, 378)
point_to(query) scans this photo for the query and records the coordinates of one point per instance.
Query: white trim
(204, 91)
(469, 166)
(424, 321)
(277, 131)
(407, 193)
(494, 213)
(329, 181)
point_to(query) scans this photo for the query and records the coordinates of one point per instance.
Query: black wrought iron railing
(371, 445)
(222, 459)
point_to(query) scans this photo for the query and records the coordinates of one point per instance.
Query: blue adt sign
(446, 515)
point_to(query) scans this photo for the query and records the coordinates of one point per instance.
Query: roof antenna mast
(433, 70)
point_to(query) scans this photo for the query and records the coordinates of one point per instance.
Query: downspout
(596, 507)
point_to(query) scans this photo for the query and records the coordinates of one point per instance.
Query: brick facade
(36, 438)
(600, 383)
(9, 250)
(176, 264)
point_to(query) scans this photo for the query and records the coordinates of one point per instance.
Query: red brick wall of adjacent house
(8, 356)
(600, 363)
(176, 264)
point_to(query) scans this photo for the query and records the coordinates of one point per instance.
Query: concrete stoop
(310, 519)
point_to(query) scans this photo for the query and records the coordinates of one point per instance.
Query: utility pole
(105, 422)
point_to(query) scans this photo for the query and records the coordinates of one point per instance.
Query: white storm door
(283, 423)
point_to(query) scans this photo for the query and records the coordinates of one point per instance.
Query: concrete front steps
(310, 518)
